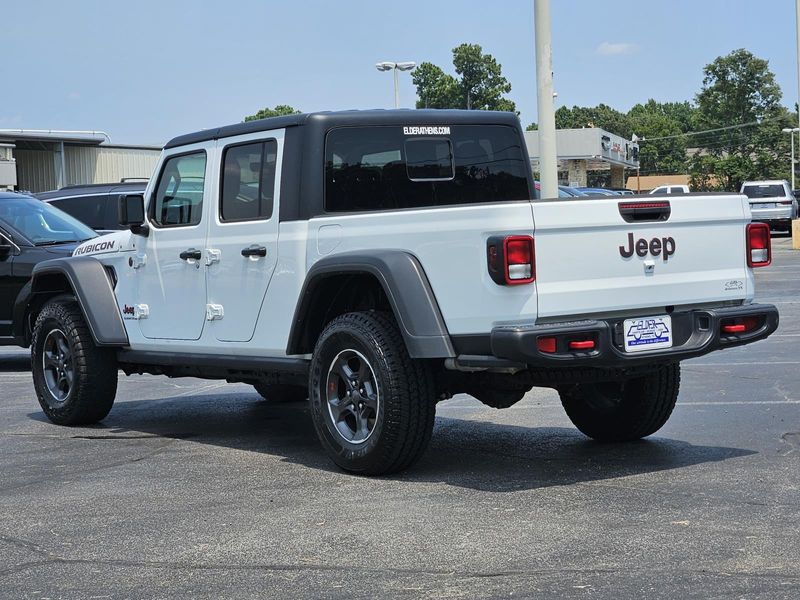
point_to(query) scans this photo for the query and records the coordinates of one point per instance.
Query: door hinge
(137, 261)
(214, 312)
(212, 256)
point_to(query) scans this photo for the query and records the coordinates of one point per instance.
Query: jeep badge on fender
(657, 247)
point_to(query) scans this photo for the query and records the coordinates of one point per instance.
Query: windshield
(764, 191)
(41, 223)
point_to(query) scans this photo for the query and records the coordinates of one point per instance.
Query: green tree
(480, 84)
(602, 116)
(278, 111)
(739, 90)
(664, 122)
(435, 88)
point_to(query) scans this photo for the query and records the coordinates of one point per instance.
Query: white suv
(771, 202)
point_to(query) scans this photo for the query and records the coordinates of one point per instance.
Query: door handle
(191, 253)
(254, 251)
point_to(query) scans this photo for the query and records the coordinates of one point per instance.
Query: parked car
(93, 204)
(771, 202)
(593, 191)
(30, 232)
(564, 191)
(671, 189)
(623, 191)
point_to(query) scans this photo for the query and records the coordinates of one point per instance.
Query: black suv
(93, 204)
(30, 232)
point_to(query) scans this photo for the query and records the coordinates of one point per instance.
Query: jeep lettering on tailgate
(657, 247)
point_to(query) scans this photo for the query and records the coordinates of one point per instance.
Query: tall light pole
(791, 132)
(398, 66)
(548, 161)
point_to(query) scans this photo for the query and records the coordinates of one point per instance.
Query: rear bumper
(767, 215)
(695, 333)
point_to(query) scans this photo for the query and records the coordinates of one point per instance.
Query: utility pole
(548, 158)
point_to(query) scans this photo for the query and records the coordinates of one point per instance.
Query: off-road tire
(624, 410)
(406, 404)
(90, 396)
(279, 392)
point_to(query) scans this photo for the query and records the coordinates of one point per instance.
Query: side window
(90, 210)
(248, 181)
(179, 193)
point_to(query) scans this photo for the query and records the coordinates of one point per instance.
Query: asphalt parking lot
(200, 489)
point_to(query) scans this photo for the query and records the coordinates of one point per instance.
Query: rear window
(764, 191)
(382, 168)
(676, 190)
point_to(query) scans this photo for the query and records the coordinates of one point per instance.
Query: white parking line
(744, 364)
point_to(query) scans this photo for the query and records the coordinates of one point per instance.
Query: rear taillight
(759, 249)
(511, 259)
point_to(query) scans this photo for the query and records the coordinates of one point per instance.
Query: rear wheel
(618, 411)
(278, 392)
(75, 381)
(373, 406)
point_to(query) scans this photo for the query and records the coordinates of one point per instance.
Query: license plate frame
(647, 333)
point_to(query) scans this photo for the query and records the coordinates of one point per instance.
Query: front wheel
(373, 406)
(619, 411)
(75, 380)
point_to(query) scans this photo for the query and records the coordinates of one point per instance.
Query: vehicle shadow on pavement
(465, 453)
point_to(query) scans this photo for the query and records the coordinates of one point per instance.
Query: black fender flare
(92, 287)
(406, 286)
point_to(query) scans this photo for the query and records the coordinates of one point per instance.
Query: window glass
(90, 210)
(42, 223)
(764, 191)
(429, 159)
(380, 168)
(248, 181)
(677, 190)
(179, 194)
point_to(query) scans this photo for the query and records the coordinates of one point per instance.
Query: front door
(9, 286)
(243, 234)
(172, 280)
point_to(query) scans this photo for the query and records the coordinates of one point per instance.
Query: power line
(670, 137)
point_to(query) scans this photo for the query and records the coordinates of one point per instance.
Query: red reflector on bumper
(582, 345)
(546, 344)
(733, 328)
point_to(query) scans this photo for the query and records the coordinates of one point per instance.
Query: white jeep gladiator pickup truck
(379, 261)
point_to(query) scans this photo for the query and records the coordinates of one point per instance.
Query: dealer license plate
(764, 205)
(648, 333)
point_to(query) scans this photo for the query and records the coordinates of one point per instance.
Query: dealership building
(588, 149)
(34, 160)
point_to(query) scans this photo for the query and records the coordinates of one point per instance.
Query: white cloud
(616, 48)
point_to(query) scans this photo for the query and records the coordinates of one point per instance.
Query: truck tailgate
(590, 261)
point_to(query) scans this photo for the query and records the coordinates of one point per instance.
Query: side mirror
(131, 213)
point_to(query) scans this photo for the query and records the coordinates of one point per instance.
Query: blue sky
(145, 71)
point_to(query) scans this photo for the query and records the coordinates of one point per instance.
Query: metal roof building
(38, 160)
(588, 149)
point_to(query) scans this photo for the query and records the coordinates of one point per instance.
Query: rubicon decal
(664, 247)
(426, 131)
(98, 247)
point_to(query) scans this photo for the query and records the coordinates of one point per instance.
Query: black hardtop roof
(328, 120)
(91, 188)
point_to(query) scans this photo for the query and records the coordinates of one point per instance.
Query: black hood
(65, 249)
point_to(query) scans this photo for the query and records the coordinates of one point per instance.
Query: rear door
(243, 233)
(601, 257)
